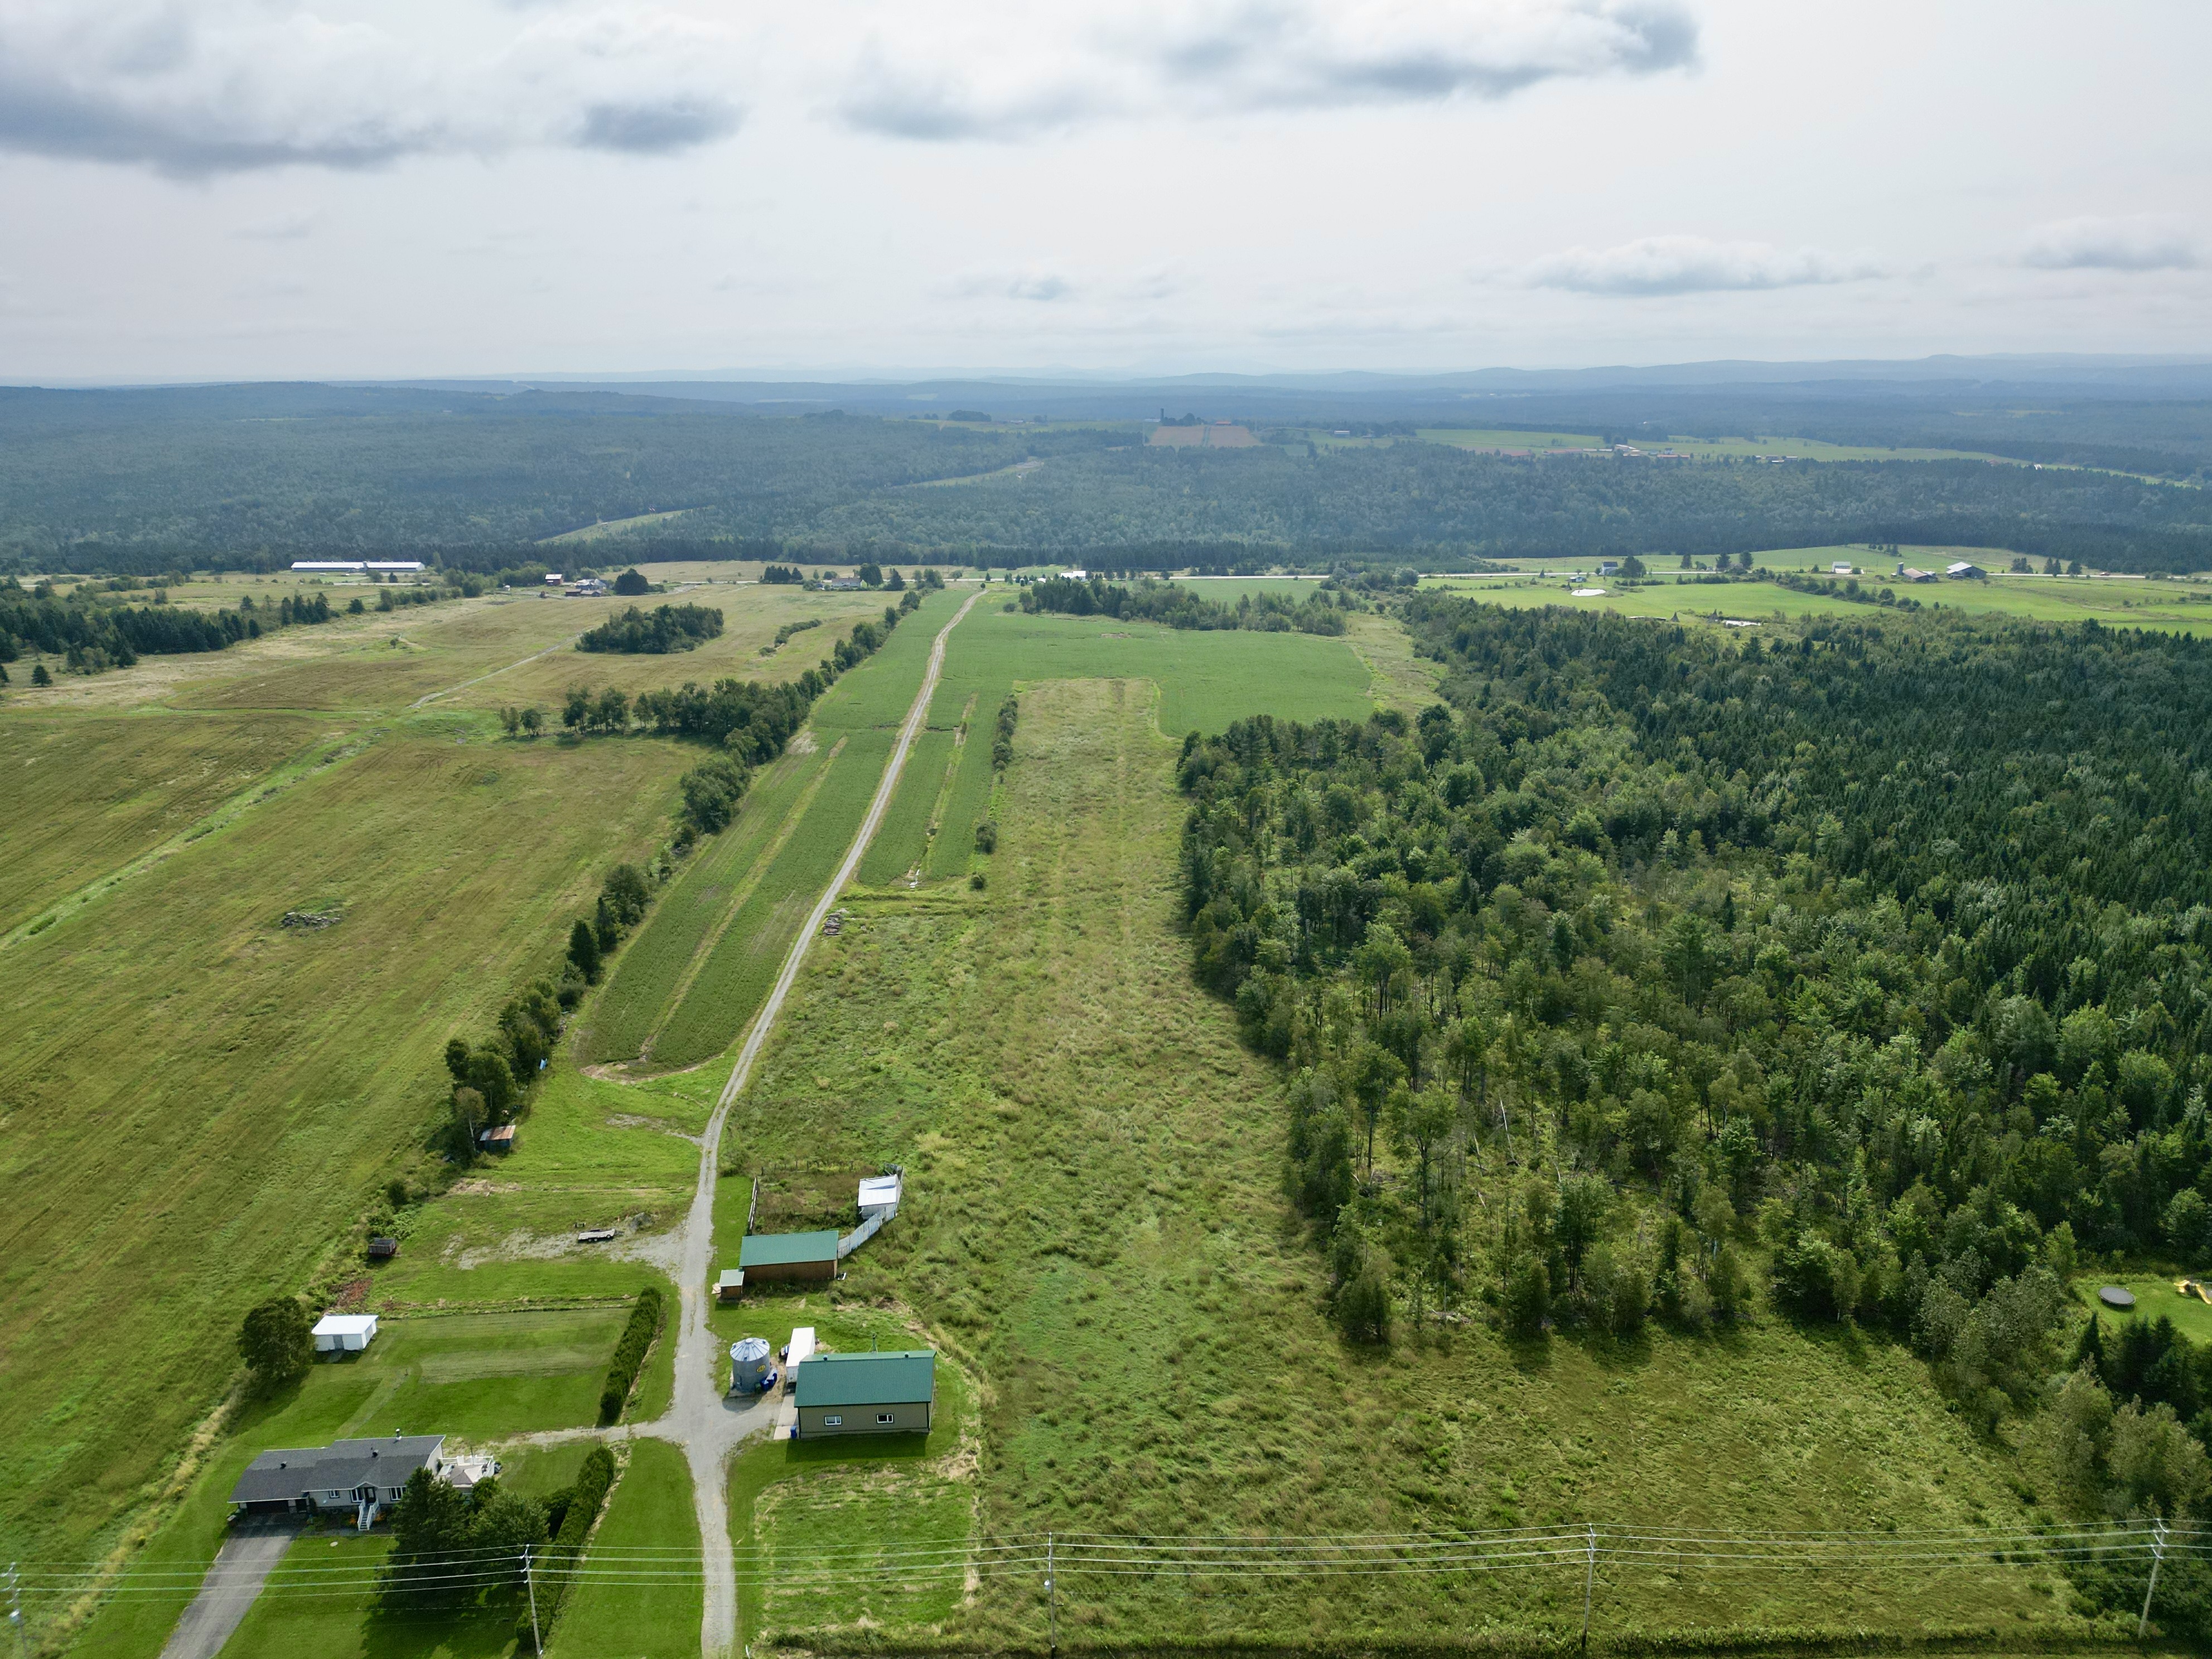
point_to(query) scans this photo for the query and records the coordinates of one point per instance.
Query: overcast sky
(301, 188)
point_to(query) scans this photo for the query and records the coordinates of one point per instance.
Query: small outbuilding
(500, 1139)
(383, 1250)
(878, 1193)
(1964, 571)
(769, 1258)
(864, 1393)
(344, 1333)
(801, 1348)
(731, 1285)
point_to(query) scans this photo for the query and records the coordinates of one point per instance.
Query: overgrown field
(1095, 1223)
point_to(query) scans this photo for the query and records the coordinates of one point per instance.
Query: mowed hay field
(1094, 1226)
(200, 1104)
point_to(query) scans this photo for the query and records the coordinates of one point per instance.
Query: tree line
(1177, 605)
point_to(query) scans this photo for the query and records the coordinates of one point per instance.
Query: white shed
(878, 1193)
(344, 1333)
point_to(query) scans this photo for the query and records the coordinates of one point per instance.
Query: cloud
(1016, 79)
(1693, 265)
(232, 85)
(2143, 242)
(1044, 286)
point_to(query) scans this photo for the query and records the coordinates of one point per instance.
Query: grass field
(902, 841)
(653, 1617)
(656, 963)
(1094, 1226)
(2156, 1297)
(2174, 606)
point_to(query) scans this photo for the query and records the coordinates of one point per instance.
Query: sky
(268, 189)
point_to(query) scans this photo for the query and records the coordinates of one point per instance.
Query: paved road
(240, 1567)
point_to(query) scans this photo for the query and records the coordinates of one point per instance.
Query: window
(886, 1417)
(833, 1422)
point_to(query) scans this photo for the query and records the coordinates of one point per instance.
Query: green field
(630, 1606)
(2175, 605)
(1094, 1226)
(902, 841)
(2156, 1297)
(656, 964)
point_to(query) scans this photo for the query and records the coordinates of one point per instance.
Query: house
(731, 1285)
(1608, 566)
(361, 1476)
(864, 1393)
(1964, 571)
(844, 584)
(344, 1333)
(1075, 575)
(500, 1139)
(1906, 573)
(589, 588)
(554, 579)
(766, 1258)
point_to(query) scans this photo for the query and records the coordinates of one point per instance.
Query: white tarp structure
(879, 1193)
(802, 1346)
(344, 1333)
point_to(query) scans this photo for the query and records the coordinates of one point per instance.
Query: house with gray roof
(362, 1477)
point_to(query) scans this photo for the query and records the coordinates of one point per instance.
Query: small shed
(500, 1139)
(731, 1285)
(878, 1193)
(344, 1333)
(749, 1365)
(767, 1258)
(383, 1250)
(865, 1393)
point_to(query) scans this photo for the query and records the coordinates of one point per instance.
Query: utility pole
(1589, 1582)
(1052, 1593)
(529, 1579)
(2157, 1560)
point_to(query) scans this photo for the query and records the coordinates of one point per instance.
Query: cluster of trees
(631, 583)
(92, 635)
(490, 1079)
(447, 1542)
(1652, 966)
(624, 898)
(1002, 736)
(1178, 606)
(786, 574)
(655, 633)
(784, 634)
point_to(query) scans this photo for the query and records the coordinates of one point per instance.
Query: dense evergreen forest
(91, 634)
(151, 482)
(1865, 962)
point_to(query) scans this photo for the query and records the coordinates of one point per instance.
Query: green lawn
(629, 1606)
(1094, 1226)
(2156, 1297)
(902, 841)
(475, 1378)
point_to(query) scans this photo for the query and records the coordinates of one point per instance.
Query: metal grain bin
(749, 1362)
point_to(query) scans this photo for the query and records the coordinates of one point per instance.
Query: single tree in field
(583, 951)
(277, 1342)
(533, 721)
(611, 712)
(631, 583)
(871, 575)
(493, 1078)
(39, 675)
(457, 1059)
(575, 708)
(511, 720)
(468, 1122)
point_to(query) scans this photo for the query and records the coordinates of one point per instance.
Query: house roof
(779, 1249)
(903, 1378)
(341, 1466)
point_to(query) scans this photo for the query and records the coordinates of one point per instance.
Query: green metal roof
(868, 1379)
(779, 1249)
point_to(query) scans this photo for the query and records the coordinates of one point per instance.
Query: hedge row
(557, 1565)
(630, 1353)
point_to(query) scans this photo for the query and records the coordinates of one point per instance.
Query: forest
(91, 635)
(255, 476)
(1869, 961)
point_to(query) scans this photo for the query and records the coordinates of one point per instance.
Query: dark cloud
(2144, 242)
(658, 128)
